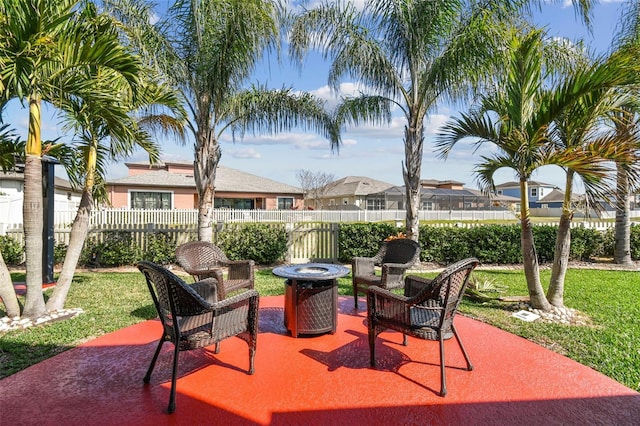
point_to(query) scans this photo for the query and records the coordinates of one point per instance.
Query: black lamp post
(48, 193)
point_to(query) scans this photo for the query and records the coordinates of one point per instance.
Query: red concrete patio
(320, 380)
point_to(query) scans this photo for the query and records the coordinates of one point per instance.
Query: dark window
(234, 203)
(285, 203)
(150, 200)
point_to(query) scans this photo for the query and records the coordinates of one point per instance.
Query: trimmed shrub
(362, 239)
(12, 250)
(161, 248)
(118, 248)
(264, 243)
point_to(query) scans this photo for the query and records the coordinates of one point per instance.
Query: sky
(374, 152)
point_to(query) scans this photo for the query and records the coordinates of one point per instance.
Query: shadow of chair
(394, 258)
(202, 260)
(192, 317)
(426, 310)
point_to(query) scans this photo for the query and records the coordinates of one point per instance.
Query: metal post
(48, 240)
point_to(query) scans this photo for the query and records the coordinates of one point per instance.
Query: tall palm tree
(411, 55)
(109, 129)
(44, 43)
(208, 49)
(626, 123)
(518, 120)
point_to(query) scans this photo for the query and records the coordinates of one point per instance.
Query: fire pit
(311, 297)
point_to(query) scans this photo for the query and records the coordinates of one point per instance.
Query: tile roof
(227, 180)
(355, 185)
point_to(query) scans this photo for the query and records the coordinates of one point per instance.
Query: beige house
(349, 193)
(172, 186)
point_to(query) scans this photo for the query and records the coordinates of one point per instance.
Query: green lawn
(610, 298)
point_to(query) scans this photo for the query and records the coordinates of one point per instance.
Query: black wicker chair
(192, 317)
(394, 258)
(426, 311)
(203, 260)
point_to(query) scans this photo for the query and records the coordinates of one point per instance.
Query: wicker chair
(203, 260)
(192, 317)
(426, 311)
(393, 258)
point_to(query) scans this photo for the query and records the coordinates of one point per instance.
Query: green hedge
(489, 243)
(267, 244)
(262, 242)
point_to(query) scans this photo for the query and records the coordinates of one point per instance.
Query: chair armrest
(383, 304)
(362, 266)
(249, 296)
(414, 285)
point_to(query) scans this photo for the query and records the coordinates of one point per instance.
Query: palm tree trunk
(77, 237)
(207, 158)
(622, 245)
(7, 292)
(530, 257)
(413, 144)
(33, 213)
(555, 294)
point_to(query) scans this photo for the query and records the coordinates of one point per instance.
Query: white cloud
(245, 153)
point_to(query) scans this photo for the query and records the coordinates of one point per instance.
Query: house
(537, 191)
(171, 185)
(351, 192)
(65, 198)
(357, 192)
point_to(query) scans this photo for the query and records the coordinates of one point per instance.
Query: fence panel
(312, 242)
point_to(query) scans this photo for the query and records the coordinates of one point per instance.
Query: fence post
(289, 227)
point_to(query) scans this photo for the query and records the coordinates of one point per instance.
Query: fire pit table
(311, 297)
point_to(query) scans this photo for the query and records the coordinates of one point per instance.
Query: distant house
(369, 194)
(65, 198)
(172, 186)
(537, 191)
(351, 192)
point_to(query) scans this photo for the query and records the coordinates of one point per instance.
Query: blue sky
(376, 152)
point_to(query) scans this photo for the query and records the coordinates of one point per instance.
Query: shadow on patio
(316, 380)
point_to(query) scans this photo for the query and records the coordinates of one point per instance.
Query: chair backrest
(172, 297)
(448, 288)
(399, 250)
(196, 253)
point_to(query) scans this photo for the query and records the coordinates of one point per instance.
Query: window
(285, 203)
(427, 205)
(375, 203)
(345, 201)
(150, 200)
(499, 191)
(534, 192)
(233, 203)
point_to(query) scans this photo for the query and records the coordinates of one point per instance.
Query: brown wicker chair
(426, 311)
(192, 317)
(393, 258)
(203, 260)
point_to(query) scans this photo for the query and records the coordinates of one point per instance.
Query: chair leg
(443, 377)
(355, 296)
(464, 352)
(372, 346)
(147, 377)
(252, 354)
(172, 395)
(405, 341)
(216, 348)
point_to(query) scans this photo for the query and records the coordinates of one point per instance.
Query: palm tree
(108, 129)
(410, 55)
(626, 125)
(44, 44)
(207, 50)
(519, 120)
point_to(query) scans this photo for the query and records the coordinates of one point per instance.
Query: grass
(609, 344)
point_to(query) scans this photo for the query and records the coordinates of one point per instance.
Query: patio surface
(319, 380)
